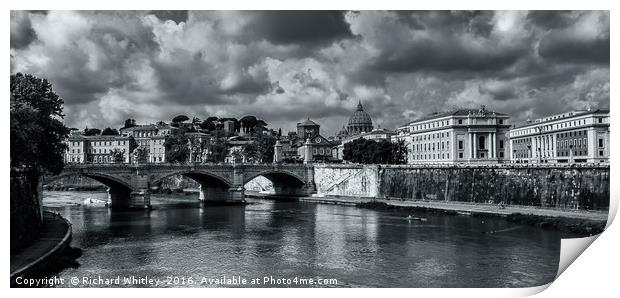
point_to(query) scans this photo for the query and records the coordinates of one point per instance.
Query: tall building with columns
(571, 137)
(458, 136)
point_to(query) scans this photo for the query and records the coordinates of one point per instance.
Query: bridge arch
(285, 183)
(276, 175)
(202, 177)
(119, 190)
(105, 179)
(213, 187)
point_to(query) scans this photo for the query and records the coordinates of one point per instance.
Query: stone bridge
(129, 185)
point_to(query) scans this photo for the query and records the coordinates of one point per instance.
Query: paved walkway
(469, 207)
(56, 232)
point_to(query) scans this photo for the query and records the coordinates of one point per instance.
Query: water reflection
(294, 239)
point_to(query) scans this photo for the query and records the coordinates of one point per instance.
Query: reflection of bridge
(129, 185)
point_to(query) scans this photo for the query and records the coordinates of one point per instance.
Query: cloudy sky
(286, 66)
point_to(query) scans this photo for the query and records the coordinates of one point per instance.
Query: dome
(360, 118)
(308, 122)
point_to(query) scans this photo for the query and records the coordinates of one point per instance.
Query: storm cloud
(286, 66)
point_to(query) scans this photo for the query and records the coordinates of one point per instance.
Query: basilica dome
(359, 121)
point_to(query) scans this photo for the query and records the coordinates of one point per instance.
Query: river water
(280, 241)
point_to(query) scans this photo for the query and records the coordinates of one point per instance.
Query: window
(460, 154)
(460, 121)
(600, 153)
(501, 144)
(501, 121)
(600, 143)
(600, 120)
(461, 145)
(501, 154)
(481, 140)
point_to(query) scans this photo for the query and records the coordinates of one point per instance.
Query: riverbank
(578, 222)
(47, 254)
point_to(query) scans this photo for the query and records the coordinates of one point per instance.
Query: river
(283, 240)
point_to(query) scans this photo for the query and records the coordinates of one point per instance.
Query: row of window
(551, 127)
(431, 146)
(322, 151)
(572, 134)
(109, 143)
(443, 123)
(573, 142)
(481, 144)
(431, 156)
(436, 135)
(142, 134)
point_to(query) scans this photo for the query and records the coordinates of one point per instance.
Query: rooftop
(481, 112)
(308, 122)
(565, 115)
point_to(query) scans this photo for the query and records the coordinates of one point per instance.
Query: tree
(208, 125)
(265, 147)
(180, 118)
(251, 152)
(117, 155)
(371, 152)
(37, 133)
(91, 131)
(140, 154)
(248, 123)
(130, 123)
(109, 132)
(399, 152)
(211, 119)
(176, 147)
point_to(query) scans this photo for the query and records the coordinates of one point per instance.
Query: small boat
(410, 218)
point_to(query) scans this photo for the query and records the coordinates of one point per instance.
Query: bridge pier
(123, 198)
(218, 195)
(140, 199)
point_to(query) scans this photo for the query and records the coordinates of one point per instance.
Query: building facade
(98, 149)
(459, 136)
(571, 137)
(307, 144)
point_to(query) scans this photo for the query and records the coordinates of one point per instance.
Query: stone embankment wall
(347, 180)
(583, 187)
(26, 214)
